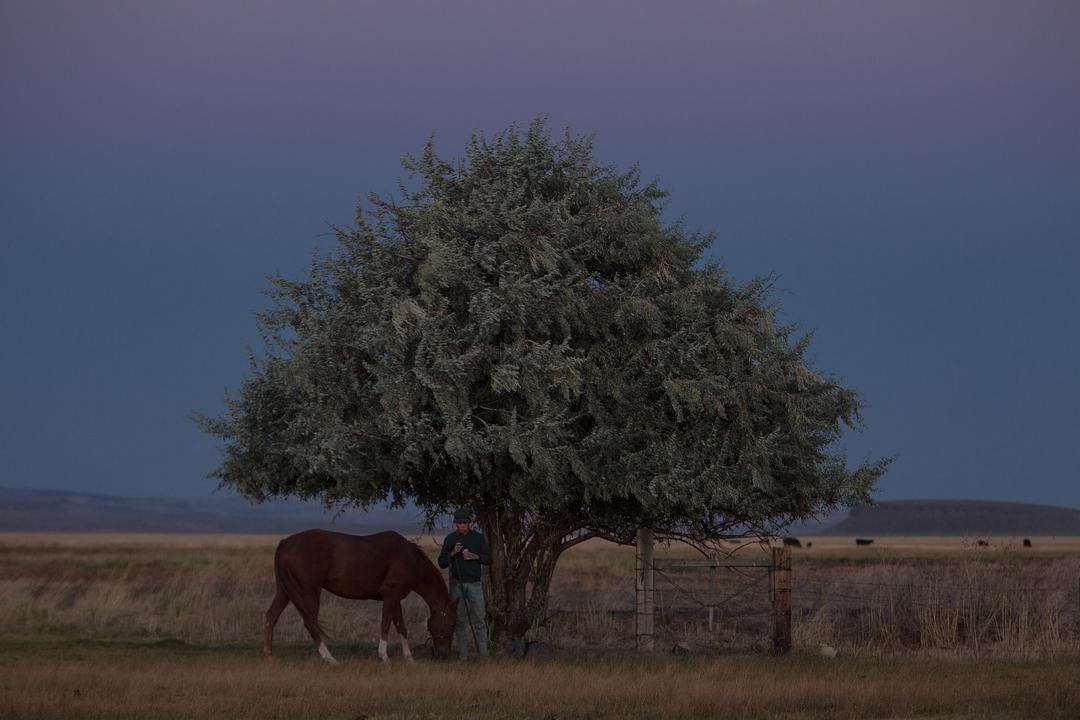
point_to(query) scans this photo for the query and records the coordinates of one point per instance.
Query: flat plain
(164, 626)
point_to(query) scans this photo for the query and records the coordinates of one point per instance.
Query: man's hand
(469, 555)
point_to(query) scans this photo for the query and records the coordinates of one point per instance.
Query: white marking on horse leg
(324, 653)
(405, 649)
(382, 651)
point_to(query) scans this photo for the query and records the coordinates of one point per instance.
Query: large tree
(522, 333)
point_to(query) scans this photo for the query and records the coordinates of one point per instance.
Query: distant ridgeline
(958, 517)
(24, 510)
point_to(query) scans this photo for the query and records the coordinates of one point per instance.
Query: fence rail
(778, 566)
(669, 592)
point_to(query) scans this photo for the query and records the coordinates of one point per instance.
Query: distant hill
(957, 517)
(24, 510)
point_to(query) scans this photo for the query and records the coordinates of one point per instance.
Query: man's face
(462, 527)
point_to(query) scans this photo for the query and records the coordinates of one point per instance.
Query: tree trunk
(522, 565)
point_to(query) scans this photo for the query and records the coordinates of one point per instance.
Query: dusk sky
(910, 171)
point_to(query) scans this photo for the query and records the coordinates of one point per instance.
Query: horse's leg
(311, 622)
(278, 604)
(399, 623)
(391, 605)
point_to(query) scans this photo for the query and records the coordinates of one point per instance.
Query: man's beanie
(462, 515)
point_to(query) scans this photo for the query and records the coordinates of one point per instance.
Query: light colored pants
(470, 607)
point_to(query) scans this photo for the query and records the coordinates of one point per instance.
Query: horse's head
(440, 626)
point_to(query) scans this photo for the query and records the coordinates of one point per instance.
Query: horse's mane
(420, 551)
(429, 566)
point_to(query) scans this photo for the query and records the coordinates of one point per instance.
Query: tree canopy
(522, 333)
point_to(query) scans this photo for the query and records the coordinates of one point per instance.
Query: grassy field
(122, 626)
(166, 680)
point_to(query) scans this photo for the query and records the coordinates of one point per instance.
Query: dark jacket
(464, 570)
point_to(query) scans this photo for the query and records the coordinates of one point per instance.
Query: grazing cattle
(1027, 542)
(864, 541)
(792, 542)
(384, 566)
(982, 543)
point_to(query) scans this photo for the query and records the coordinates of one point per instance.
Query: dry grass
(122, 626)
(133, 682)
(967, 600)
(898, 595)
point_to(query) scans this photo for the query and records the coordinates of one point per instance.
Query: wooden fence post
(644, 586)
(781, 585)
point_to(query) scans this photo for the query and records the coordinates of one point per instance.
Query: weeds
(955, 599)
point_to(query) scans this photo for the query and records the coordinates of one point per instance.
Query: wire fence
(1018, 609)
(691, 606)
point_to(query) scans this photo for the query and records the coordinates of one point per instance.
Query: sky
(908, 170)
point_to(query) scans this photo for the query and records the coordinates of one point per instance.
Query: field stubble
(173, 624)
(900, 596)
(125, 682)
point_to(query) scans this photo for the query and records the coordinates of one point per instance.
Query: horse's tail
(311, 621)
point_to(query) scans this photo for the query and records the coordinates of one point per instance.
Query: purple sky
(910, 170)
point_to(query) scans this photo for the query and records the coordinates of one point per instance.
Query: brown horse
(384, 566)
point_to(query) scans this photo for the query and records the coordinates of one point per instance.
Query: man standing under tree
(463, 552)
